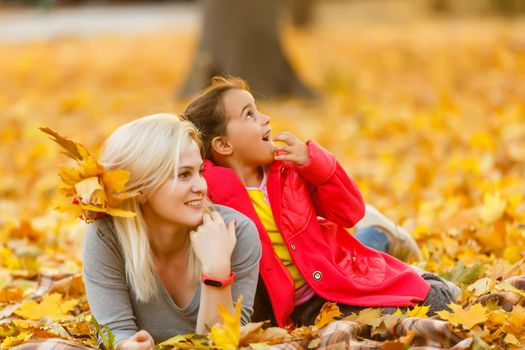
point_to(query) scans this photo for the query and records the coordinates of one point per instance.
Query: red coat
(335, 265)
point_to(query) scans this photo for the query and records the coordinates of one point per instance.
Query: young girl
(284, 189)
(164, 271)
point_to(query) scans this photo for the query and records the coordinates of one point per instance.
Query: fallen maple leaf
(467, 318)
(507, 287)
(511, 339)
(51, 306)
(256, 333)
(15, 340)
(227, 335)
(328, 313)
(515, 321)
(418, 311)
(493, 207)
(369, 316)
(186, 341)
(481, 286)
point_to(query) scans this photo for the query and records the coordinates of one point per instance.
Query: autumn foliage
(428, 116)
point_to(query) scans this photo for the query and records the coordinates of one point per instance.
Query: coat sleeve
(105, 281)
(334, 194)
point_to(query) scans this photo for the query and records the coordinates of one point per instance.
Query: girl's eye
(184, 175)
(250, 115)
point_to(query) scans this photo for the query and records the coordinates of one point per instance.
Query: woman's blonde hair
(149, 148)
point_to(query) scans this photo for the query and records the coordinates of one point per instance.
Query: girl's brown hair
(206, 111)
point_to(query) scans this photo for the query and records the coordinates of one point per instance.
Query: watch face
(212, 283)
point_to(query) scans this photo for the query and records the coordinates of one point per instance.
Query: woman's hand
(293, 150)
(213, 244)
(142, 340)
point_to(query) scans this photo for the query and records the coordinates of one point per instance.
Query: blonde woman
(164, 271)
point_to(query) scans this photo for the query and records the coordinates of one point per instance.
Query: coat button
(317, 275)
(292, 245)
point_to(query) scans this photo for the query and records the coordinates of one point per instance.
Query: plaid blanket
(423, 333)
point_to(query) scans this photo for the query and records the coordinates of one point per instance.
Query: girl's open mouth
(266, 137)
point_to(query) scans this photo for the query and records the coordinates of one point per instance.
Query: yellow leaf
(70, 176)
(173, 341)
(115, 180)
(9, 260)
(398, 312)
(418, 311)
(328, 313)
(69, 146)
(314, 344)
(64, 205)
(186, 341)
(120, 213)
(493, 239)
(481, 286)
(511, 339)
(391, 320)
(409, 337)
(513, 253)
(19, 339)
(90, 167)
(493, 207)
(98, 197)
(515, 321)
(507, 287)
(370, 316)
(52, 306)
(468, 318)
(86, 187)
(496, 318)
(227, 335)
(23, 323)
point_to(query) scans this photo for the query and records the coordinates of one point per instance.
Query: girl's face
(248, 130)
(181, 201)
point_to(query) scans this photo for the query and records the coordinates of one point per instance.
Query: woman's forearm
(211, 297)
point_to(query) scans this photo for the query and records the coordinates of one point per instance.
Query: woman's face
(181, 201)
(248, 130)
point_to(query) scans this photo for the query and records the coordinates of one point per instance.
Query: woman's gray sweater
(112, 302)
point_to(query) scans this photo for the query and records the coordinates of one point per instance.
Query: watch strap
(218, 282)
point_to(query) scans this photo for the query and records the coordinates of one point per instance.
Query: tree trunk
(302, 12)
(241, 38)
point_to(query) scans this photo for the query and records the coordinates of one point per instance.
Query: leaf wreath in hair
(87, 190)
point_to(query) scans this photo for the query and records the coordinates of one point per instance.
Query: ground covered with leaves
(427, 115)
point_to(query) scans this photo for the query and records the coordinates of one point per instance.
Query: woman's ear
(141, 198)
(221, 146)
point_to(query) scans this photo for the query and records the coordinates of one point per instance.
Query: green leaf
(107, 341)
(463, 275)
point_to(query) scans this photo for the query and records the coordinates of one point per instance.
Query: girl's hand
(294, 150)
(213, 244)
(142, 340)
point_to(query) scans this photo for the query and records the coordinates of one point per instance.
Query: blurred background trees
(243, 37)
(302, 10)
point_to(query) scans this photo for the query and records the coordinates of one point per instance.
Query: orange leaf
(70, 147)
